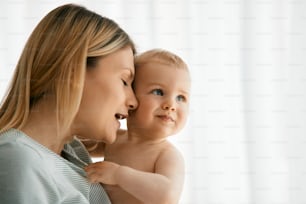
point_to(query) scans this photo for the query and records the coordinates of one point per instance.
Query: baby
(142, 166)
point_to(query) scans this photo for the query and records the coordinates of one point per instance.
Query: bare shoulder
(170, 158)
(171, 151)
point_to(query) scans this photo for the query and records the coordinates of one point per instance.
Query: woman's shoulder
(19, 157)
(19, 152)
(15, 142)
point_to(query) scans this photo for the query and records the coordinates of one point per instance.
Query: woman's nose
(132, 101)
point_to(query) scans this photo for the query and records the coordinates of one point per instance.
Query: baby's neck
(145, 137)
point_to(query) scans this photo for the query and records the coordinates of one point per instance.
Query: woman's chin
(111, 135)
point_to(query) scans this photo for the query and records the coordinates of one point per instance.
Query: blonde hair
(54, 60)
(160, 56)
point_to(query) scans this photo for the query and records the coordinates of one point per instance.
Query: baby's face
(163, 96)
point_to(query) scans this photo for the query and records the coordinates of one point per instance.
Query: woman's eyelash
(124, 82)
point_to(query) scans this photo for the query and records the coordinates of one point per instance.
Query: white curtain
(245, 138)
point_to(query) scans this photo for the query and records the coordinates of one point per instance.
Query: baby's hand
(103, 172)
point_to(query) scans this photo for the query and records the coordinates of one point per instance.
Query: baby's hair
(160, 56)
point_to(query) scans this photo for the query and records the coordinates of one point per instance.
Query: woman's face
(107, 97)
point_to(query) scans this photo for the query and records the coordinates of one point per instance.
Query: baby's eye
(158, 92)
(181, 98)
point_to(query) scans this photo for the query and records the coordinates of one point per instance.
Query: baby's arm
(163, 186)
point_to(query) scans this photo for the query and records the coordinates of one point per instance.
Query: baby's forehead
(160, 65)
(163, 74)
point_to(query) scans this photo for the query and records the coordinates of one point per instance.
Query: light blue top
(30, 173)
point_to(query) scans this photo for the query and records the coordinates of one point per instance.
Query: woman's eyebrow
(130, 73)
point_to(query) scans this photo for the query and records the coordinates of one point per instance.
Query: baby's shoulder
(169, 150)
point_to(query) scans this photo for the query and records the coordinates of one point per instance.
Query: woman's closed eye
(124, 82)
(158, 92)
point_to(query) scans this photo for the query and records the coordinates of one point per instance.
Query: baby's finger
(93, 176)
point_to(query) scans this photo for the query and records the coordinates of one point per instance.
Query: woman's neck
(42, 126)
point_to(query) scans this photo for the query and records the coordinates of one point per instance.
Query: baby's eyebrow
(184, 92)
(155, 84)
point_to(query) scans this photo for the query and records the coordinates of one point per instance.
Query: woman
(73, 78)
